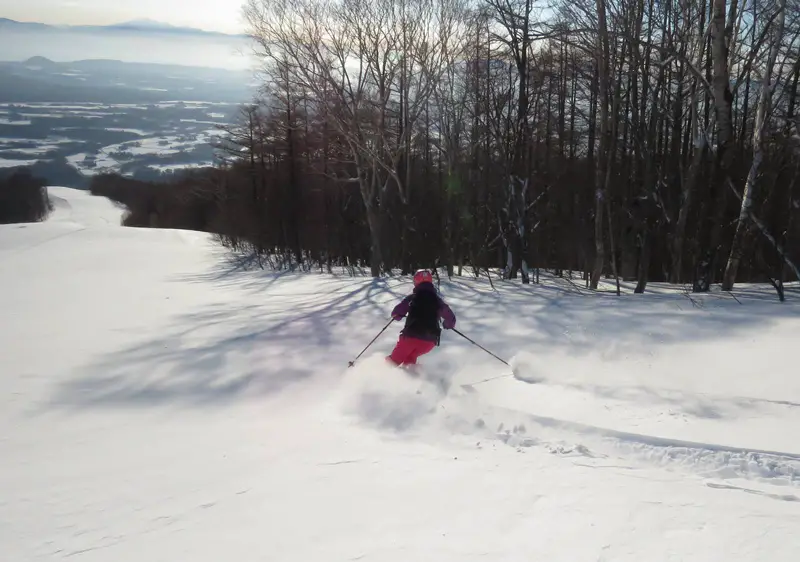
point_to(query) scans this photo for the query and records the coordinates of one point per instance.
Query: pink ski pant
(408, 350)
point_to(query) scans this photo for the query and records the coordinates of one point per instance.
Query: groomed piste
(158, 401)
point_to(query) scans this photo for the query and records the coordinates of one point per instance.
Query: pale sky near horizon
(211, 15)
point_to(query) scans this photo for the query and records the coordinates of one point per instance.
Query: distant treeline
(53, 171)
(187, 202)
(23, 198)
(308, 226)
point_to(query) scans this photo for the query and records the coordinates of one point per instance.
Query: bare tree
(371, 68)
(762, 114)
(602, 168)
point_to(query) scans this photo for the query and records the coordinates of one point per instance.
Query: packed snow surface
(159, 401)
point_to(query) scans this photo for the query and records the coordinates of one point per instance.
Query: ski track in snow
(410, 403)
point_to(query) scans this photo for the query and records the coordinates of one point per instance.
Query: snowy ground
(157, 403)
(5, 163)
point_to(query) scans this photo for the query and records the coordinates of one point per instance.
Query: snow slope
(159, 402)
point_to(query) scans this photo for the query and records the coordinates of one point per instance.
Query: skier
(424, 308)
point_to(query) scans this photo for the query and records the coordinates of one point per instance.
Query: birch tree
(762, 117)
(722, 26)
(602, 167)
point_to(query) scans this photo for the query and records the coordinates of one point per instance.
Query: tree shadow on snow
(245, 349)
(271, 331)
(556, 319)
(542, 317)
(549, 317)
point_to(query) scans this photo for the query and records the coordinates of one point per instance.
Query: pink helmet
(422, 276)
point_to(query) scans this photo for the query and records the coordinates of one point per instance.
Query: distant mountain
(145, 26)
(40, 62)
(147, 23)
(7, 22)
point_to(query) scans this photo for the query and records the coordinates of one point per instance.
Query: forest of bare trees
(647, 140)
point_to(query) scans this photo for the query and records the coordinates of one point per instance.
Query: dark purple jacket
(445, 313)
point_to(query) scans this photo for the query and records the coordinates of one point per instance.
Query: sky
(211, 15)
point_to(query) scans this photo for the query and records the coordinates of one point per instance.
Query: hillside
(158, 402)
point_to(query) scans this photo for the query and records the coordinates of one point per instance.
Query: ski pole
(353, 362)
(480, 346)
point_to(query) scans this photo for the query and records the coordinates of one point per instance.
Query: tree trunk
(375, 256)
(602, 161)
(689, 183)
(644, 263)
(723, 102)
(764, 104)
